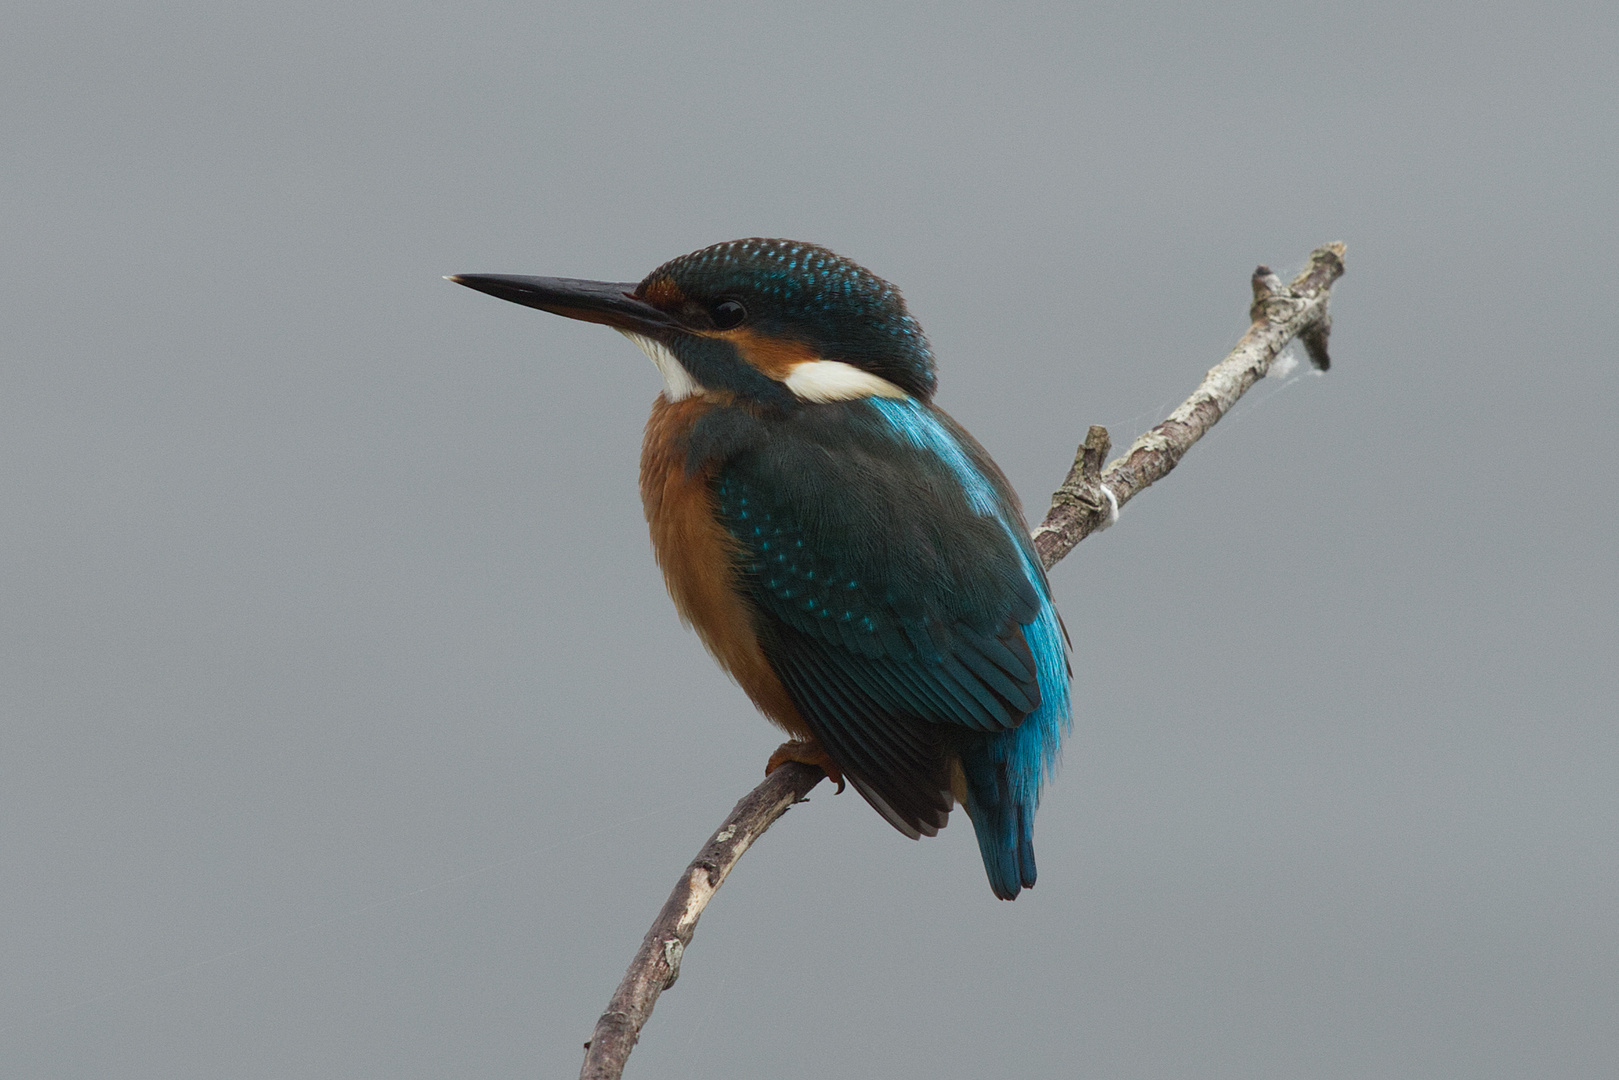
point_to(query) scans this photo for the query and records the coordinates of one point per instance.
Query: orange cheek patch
(773, 356)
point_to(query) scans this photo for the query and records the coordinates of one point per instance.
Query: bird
(848, 553)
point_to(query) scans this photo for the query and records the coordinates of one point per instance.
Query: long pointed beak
(611, 303)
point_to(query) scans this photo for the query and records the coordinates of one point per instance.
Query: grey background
(347, 729)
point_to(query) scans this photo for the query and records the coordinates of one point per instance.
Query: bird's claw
(805, 752)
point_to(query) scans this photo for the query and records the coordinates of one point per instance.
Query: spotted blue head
(776, 322)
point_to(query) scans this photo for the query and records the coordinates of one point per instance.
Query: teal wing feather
(892, 607)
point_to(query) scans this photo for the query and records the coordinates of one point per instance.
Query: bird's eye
(728, 313)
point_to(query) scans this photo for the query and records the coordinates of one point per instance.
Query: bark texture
(657, 962)
(1088, 501)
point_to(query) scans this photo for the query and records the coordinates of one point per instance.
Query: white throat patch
(677, 381)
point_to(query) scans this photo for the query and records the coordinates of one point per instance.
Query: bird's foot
(805, 752)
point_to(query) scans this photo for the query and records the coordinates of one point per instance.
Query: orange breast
(699, 559)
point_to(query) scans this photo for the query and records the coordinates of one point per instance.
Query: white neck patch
(833, 380)
(677, 381)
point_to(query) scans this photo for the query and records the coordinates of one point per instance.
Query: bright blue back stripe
(923, 430)
(1031, 750)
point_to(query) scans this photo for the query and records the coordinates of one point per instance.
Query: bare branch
(1081, 506)
(1088, 501)
(657, 963)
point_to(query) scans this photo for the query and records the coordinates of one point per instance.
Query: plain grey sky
(348, 732)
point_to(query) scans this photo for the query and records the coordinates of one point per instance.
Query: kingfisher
(844, 549)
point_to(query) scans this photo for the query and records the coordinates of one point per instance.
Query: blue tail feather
(1002, 819)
